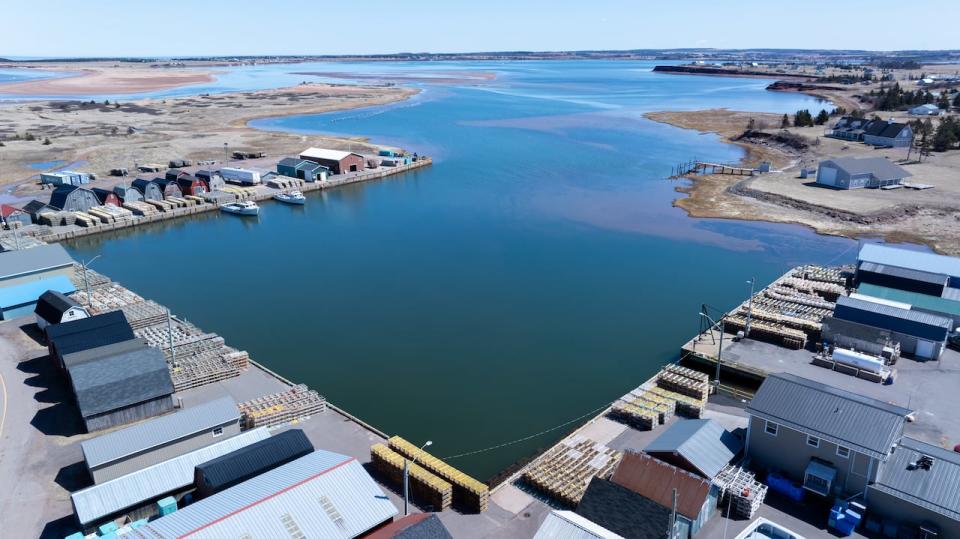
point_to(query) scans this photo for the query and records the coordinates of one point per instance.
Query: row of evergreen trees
(945, 136)
(895, 97)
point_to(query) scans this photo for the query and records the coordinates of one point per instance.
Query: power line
(530, 437)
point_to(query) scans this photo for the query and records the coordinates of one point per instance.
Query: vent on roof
(291, 526)
(332, 511)
(925, 462)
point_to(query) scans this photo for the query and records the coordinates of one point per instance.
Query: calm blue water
(44, 165)
(535, 272)
(24, 74)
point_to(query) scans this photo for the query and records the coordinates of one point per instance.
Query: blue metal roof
(704, 443)
(905, 258)
(29, 293)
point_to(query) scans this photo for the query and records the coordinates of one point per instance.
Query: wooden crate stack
(769, 331)
(424, 485)
(297, 403)
(685, 405)
(468, 493)
(140, 208)
(564, 471)
(643, 410)
(740, 491)
(678, 383)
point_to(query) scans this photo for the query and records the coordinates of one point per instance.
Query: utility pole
(406, 479)
(173, 353)
(746, 327)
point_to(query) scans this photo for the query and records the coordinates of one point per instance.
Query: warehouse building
(922, 334)
(234, 468)
(65, 177)
(135, 493)
(919, 486)
(853, 336)
(55, 308)
(127, 450)
(25, 274)
(829, 440)
(150, 189)
(569, 525)
(73, 198)
(339, 162)
(637, 501)
(301, 168)
(84, 334)
(915, 271)
(700, 446)
(91, 354)
(858, 173)
(322, 494)
(122, 387)
(923, 303)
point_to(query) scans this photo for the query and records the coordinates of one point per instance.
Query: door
(925, 349)
(827, 176)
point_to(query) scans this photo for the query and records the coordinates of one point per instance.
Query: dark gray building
(922, 334)
(73, 198)
(152, 442)
(150, 189)
(916, 271)
(919, 486)
(233, 468)
(857, 173)
(84, 334)
(55, 307)
(128, 194)
(829, 440)
(35, 207)
(122, 388)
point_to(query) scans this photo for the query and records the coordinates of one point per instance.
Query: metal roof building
(323, 494)
(122, 387)
(937, 305)
(698, 445)
(21, 299)
(98, 502)
(863, 424)
(906, 258)
(919, 333)
(224, 472)
(86, 333)
(569, 525)
(127, 450)
(34, 263)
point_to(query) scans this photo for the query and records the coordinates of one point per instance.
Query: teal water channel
(535, 272)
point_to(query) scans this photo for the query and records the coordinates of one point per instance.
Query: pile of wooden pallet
(241, 193)
(810, 272)
(829, 291)
(207, 367)
(297, 403)
(796, 297)
(284, 182)
(111, 214)
(740, 491)
(643, 410)
(696, 388)
(104, 297)
(424, 485)
(468, 493)
(140, 208)
(769, 331)
(564, 471)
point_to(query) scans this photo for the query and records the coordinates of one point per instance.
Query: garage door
(827, 176)
(925, 349)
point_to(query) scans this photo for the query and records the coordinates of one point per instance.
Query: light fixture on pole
(722, 325)
(406, 479)
(86, 283)
(746, 326)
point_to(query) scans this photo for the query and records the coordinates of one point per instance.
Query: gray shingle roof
(623, 511)
(92, 354)
(704, 443)
(120, 380)
(242, 464)
(92, 332)
(156, 432)
(896, 312)
(878, 167)
(52, 305)
(866, 425)
(33, 260)
(936, 489)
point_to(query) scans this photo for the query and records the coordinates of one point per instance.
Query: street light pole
(225, 154)
(406, 480)
(86, 282)
(723, 327)
(746, 327)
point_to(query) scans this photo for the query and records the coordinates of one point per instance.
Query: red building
(339, 162)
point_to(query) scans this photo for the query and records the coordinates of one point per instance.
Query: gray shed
(73, 198)
(149, 189)
(701, 446)
(128, 194)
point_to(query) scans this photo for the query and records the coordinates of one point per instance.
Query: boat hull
(298, 201)
(240, 211)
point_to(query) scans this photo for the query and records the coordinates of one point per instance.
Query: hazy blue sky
(215, 27)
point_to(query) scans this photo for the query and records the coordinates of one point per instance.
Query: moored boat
(293, 197)
(246, 207)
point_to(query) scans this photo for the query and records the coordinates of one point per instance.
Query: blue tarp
(20, 300)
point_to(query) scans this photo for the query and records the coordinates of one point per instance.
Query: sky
(80, 28)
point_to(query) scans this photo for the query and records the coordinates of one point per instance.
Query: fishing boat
(293, 197)
(246, 207)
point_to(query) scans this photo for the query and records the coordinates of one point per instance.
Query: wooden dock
(702, 167)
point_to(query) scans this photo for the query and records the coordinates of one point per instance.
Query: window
(217, 431)
(813, 441)
(771, 428)
(843, 451)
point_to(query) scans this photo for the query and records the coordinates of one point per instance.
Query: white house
(54, 307)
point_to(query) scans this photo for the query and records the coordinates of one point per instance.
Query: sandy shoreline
(99, 81)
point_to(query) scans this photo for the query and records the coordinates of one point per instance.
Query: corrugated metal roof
(569, 525)
(156, 432)
(915, 299)
(905, 258)
(323, 153)
(936, 489)
(704, 443)
(22, 294)
(323, 494)
(904, 273)
(895, 312)
(878, 167)
(951, 293)
(866, 425)
(33, 260)
(99, 501)
(120, 380)
(242, 464)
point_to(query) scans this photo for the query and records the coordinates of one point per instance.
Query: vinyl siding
(890, 507)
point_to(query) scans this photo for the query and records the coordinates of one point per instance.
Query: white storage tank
(858, 360)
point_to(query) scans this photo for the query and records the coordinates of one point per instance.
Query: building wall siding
(789, 453)
(166, 452)
(129, 414)
(889, 507)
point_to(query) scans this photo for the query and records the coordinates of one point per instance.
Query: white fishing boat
(293, 197)
(246, 207)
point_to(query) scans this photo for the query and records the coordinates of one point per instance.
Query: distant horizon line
(649, 51)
